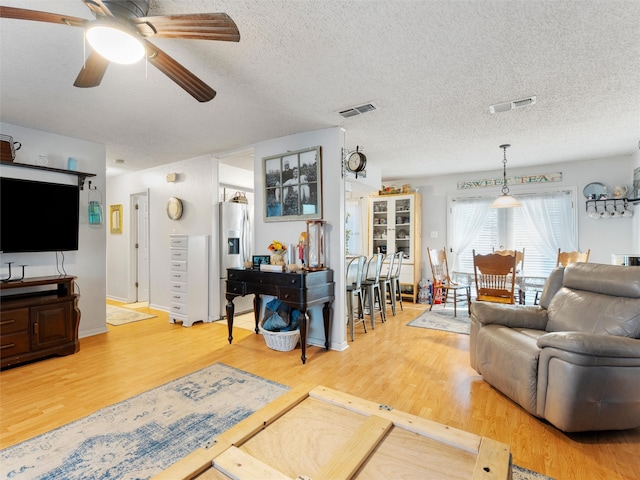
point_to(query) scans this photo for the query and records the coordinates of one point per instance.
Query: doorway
(139, 267)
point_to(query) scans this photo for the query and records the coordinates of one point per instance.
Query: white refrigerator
(235, 249)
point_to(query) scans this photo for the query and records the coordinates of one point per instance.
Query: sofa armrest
(592, 344)
(518, 316)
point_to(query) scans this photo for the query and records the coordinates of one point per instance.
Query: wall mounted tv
(38, 216)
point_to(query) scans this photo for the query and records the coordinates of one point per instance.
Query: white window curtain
(548, 222)
(545, 222)
(467, 217)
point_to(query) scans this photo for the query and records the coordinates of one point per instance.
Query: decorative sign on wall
(497, 182)
(115, 218)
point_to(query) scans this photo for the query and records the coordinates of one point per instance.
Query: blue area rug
(139, 437)
(519, 473)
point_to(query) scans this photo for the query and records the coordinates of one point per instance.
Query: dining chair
(387, 281)
(519, 269)
(495, 276)
(396, 293)
(372, 289)
(443, 282)
(354, 289)
(565, 258)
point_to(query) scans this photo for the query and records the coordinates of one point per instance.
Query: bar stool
(395, 278)
(386, 283)
(354, 288)
(372, 289)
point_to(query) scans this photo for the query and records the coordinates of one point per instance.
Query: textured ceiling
(431, 67)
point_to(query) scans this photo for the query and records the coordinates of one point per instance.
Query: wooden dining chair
(519, 257)
(355, 314)
(495, 276)
(565, 258)
(442, 280)
(519, 268)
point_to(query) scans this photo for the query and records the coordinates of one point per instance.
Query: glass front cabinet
(395, 225)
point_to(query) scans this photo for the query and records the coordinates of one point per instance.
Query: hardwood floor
(420, 371)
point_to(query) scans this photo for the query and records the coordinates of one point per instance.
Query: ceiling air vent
(353, 111)
(505, 107)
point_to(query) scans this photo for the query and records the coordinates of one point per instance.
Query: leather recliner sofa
(574, 359)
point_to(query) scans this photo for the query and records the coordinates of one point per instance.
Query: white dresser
(189, 279)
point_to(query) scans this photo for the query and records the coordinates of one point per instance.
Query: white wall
(635, 236)
(602, 236)
(88, 263)
(332, 141)
(197, 187)
(194, 186)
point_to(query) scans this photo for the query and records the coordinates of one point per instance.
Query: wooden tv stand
(39, 317)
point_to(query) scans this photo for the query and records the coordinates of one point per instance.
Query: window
(545, 222)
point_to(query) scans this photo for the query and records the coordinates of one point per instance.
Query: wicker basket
(281, 341)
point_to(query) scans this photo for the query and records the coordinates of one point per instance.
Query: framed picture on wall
(636, 184)
(115, 218)
(293, 185)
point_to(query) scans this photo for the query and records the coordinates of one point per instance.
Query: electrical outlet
(434, 234)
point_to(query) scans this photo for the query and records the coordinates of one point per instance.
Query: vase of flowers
(278, 251)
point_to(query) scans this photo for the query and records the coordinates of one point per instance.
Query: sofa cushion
(614, 280)
(590, 312)
(551, 287)
(508, 360)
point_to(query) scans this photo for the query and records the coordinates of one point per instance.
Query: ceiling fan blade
(199, 26)
(92, 72)
(37, 16)
(179, 74)
(98, 8)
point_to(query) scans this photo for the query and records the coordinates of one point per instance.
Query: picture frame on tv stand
(261, 260)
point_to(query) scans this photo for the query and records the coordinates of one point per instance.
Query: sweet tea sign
(497, 182)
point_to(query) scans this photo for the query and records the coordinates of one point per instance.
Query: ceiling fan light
(115, 44)
(505, 201)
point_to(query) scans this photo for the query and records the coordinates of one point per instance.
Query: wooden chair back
(565, 258)
(495, 276)
(519, 257)
(439, 266)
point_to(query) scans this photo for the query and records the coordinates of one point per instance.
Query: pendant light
(505, 200)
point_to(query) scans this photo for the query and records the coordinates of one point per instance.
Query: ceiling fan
(127, 20)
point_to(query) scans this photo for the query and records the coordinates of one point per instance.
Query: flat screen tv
(38, 216)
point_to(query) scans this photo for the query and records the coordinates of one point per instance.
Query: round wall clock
(356, 162)
(174, 208)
